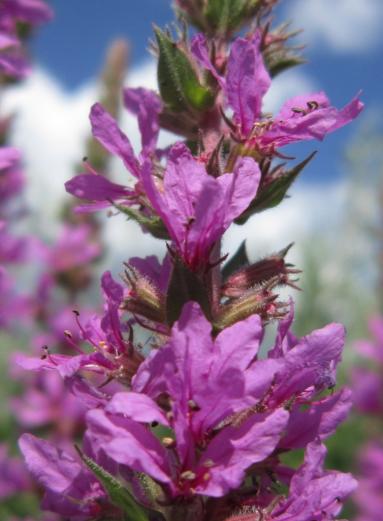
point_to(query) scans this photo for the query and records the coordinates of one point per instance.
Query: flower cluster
(16, 19)
(198, 419)
(367, 384)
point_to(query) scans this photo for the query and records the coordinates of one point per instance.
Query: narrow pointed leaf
(119, 495)
(179, 86)
(238, 260)
(274, 193)
(154, 225)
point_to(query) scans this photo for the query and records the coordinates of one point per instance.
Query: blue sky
(344, 49)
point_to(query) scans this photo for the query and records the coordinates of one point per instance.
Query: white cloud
(344, 25)
(311, 209)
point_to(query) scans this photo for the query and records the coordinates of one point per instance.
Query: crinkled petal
(53, 468)
(247, 81)
(136, 406)
(200, 51)
(236, 448)
(95, 187)
(129, 443)
(319, 421)
(146, 105)
(297, 122)
(107, 132)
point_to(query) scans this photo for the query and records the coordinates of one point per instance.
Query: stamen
(188, 475)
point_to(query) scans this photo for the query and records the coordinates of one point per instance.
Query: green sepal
(276, 66)
(237, 261)
(154, 225)
(184, 285)
(274, 192)
(118, 494)
(179, 86)
(225, 16)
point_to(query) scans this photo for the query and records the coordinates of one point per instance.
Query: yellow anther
(188, 475)
(168, 442)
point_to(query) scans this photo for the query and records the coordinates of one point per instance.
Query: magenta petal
(236, 448)
(8, 40)
(129, 443)
(197, 208)
(146, 105)
(9, 156)
(136, 406)
(113, 291)
(247, 81)
(309, 117)
(320, 420)
(53, 468)
(238, 345)
(30, 11)
(95, 188)
(107, 132)
(200, 51)
(312, 362)
(240, 188)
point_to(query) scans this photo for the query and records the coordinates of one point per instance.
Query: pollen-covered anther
(193, 406)
(188, 475)
(206, 476)
(170, 415)
(168, 442)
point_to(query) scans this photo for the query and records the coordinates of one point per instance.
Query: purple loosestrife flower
(74, 248)
(11, 177)
(113, 356)
(13, 306)
(13, 62)
(13, 478)
(196, 207)
(96, 188)
(71, 490)
(246, 82)
(13, 249)
(309, 368)
(369, 497)
(367, 383)
(32, 12)
(47, 402)
(314, 493)
(206, 383)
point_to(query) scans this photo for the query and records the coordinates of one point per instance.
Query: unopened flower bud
(260, 273)
(144, 298)
(261, 301)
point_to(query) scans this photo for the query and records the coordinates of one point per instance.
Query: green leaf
(273, 193)
(179, 86)
(154, 225)
(238, 260)
(119, 495)
(184, 286)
